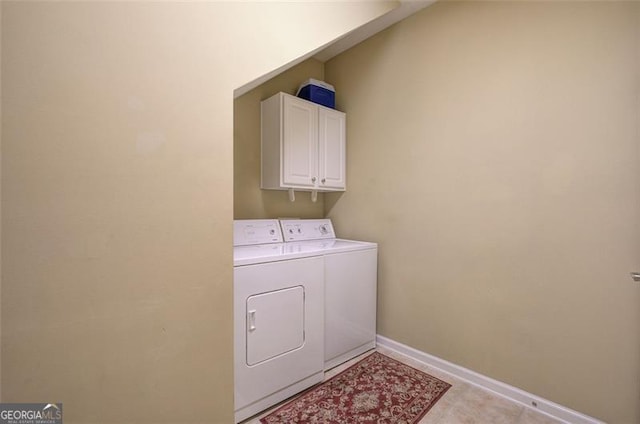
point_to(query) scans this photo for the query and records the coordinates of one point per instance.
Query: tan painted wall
(0, 207)
(249, 201)
(493, 154)
(117, 196)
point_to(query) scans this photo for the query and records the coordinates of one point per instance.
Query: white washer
(278, 318)
(350, 283)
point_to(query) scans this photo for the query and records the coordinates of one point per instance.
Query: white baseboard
(512, 393)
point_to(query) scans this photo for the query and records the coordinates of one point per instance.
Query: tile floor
(463, 403)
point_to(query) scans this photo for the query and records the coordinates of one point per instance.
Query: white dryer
(278, 318)
(350, 286)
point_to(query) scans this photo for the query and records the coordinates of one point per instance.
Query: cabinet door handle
(324, 180)
(313, 179)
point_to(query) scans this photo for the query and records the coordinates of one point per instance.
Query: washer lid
(256, 231)
(325, 247)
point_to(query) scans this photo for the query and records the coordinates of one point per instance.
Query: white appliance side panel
(275, 324)
(257, 382)
(350, 301)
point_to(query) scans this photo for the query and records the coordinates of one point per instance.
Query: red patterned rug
(377, 389)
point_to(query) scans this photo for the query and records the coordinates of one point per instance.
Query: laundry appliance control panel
(307, 229)
(256, 231)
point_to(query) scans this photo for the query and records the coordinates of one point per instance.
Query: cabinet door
(300, 143)
(332, 149)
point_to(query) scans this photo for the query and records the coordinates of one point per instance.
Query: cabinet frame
(303, 145)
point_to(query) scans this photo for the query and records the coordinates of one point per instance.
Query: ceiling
(405, 9)
(326, 52)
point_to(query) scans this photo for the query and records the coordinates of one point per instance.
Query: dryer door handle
(251, 320)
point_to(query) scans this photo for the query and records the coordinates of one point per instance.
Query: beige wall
(493, 154)
(0, 207)
(117, 196)
(249, 201)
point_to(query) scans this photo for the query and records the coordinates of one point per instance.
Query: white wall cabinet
(303, 145)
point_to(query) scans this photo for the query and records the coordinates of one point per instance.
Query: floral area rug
(376, 389)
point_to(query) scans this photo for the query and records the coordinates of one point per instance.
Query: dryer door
(275, 323)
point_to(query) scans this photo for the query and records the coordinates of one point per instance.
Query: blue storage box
(318, 92)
